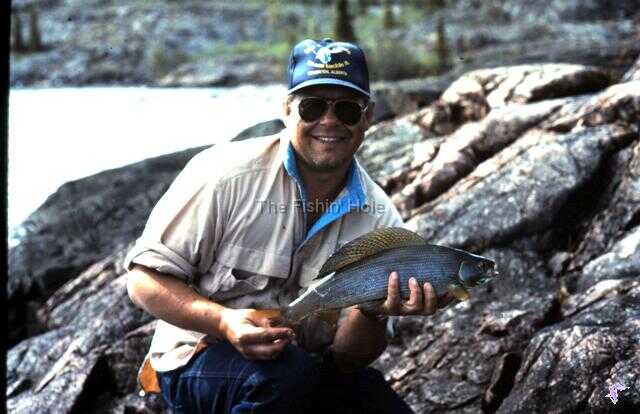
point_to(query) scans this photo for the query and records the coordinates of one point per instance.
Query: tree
(388, 21)
(35, 40)
(442, 50)
(18, 41)
(342, 27)
(363, 5)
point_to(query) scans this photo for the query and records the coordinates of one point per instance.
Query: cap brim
(328, 81)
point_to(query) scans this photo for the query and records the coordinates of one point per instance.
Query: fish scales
(367, 280)
(359, 272)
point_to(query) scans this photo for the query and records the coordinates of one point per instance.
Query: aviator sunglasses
(348, 112)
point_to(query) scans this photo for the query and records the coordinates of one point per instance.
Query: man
(247, 225)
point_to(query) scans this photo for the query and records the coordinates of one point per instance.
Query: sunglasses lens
(348, 112)
(311, 109)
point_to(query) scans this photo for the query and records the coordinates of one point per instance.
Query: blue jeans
(220, 380)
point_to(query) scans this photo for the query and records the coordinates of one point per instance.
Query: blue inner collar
(353, 198)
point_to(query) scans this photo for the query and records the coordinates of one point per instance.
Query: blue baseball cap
(325, 62)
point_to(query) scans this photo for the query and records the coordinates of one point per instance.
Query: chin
(325, 165)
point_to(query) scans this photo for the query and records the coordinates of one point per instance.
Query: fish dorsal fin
(369, 244)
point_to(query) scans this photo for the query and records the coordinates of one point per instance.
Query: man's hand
(422, 299)
(253, 334)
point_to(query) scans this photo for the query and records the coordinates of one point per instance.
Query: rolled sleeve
(185, 227)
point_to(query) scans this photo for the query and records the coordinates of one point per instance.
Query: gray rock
(71, 362)
(539, 162)
(473, 347)
(615, 210)
(526, 83)
(223, 72)
(632, 74)
(619, 103)
(623, 261)
(514, 192)
(388, 147)
(260, 130)
(554, 203)
(461, 152)
(394, 99)
(569, 366)
(82, 223)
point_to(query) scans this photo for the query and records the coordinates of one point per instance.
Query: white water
(58, 135)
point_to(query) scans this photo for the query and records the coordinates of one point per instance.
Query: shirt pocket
(240, 272)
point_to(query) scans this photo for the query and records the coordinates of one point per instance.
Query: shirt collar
(354, 187)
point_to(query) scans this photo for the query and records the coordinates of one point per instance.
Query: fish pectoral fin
(368, 245)
(459, 292)
(329, 317)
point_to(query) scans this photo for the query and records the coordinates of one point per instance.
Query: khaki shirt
(232, 226)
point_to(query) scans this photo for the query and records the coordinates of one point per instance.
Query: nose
(329, 117)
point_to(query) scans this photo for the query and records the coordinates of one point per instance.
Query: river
(63, 134)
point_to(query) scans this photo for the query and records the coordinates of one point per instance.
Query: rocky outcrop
(198, 43)
(537, 167)
(633, 73)
(557, 207)
(573, 363)
(83, 222)
(223, 72)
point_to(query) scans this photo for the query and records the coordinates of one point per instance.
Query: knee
(374, 375)
(295, 371)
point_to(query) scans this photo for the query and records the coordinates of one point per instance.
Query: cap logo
(323, 55)
(325, 62)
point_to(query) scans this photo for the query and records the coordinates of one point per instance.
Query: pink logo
(613, 391)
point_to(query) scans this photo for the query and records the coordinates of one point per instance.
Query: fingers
(430, 299)
(266, 335)
(263, 343)
(392, 304)
(265, 351)
(422, 300)
(414, 305)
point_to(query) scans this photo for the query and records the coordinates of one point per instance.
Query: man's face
(327, 143)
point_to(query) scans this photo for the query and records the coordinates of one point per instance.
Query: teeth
(328, 139)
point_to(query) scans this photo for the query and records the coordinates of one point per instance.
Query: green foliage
(390, 60)
(343, 27)
(164, 60)
(276, 51)
(388, 21)
(274, 14)
(363, 7)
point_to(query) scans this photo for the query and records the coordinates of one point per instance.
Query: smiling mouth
(328, 140)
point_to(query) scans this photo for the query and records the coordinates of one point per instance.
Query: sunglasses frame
(331, 103)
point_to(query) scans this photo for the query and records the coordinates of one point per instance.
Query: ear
(286, 106)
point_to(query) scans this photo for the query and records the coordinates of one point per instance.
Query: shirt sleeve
(185, 226)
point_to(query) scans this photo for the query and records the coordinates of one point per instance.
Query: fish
(358, 273)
